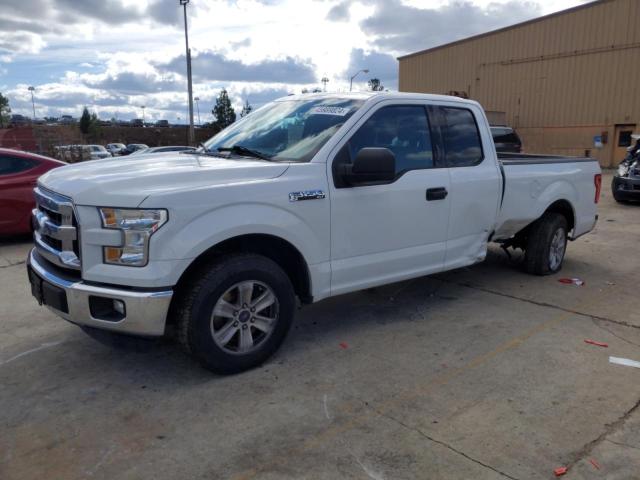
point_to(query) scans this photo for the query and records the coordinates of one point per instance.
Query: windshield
(290, 130)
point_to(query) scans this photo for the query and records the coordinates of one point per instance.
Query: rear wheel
(546, 244)
(236, 312)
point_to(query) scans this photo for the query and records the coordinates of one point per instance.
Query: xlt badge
(306, 195)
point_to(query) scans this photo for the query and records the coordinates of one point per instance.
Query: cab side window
(12, 165)
(403, 129)
(460, 137)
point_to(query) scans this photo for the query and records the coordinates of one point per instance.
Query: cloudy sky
(116, 55)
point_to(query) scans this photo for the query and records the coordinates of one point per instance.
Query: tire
(548, 232)
(223, 284)
(614, 192)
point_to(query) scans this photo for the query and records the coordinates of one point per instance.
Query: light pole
(33, 102)
(143, 107)
(324, 81)
(197, 99)
(355, 75)
(189, 82)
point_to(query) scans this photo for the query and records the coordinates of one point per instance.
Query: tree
(223, 111)
(4, 110)
(246, 109)
(375, 85)
(85, 121)
(94, 127)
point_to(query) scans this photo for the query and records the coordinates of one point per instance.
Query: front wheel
(614, 191)
(546, 244)
(236, 312)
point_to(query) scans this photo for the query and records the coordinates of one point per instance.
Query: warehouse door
(622, 140)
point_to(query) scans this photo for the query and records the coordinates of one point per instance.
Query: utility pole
(355, 75)
(324, 81)
(143, 122)
(192, 136)
(197, 99)
(33, 102)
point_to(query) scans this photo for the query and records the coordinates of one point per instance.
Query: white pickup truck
(308, 197)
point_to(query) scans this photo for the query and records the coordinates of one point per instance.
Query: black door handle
(439, 193)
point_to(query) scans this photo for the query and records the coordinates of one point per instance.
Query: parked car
(137, 122)
(17, 120)
(311, 196)
(133, 147)
(18, 174)
(147, 151)
(506, 140)
(116, 148)
(76, 153)
(162, 123)
(98, 152)
(625, 185)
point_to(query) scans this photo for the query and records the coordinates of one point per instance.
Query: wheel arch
(281, 251)
(564, 208)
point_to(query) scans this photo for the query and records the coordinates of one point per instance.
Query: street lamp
(355, 75)
(189, 82)
(33, 103)
(324, 81)
(143, 107)
(197, 99)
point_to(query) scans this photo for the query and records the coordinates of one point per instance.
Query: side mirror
(373, 165)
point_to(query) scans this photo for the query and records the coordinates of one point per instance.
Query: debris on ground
(594, 463)
(624, 361)
(558, 472)
(610, 283)
(597, 344)
(343, 345)
(572, 281)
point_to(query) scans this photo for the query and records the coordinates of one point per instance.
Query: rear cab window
(460, 136)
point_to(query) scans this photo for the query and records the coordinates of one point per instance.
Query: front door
(622, 141)
(388, 232)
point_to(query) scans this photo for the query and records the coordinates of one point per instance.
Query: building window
(624, 140)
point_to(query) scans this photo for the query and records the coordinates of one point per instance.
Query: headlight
(137, 226)
(623, 170)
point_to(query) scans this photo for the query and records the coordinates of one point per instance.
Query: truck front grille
(55, 229)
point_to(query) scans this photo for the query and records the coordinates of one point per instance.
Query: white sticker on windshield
(326, 110)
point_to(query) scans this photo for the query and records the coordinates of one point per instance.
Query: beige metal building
(561, 80)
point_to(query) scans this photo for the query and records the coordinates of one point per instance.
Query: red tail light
(597, 181)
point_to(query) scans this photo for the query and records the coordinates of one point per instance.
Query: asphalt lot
(479, 373)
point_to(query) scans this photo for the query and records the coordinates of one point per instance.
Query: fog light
(118, 306)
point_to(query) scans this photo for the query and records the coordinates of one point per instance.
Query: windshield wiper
(245, 151)
(202, 150)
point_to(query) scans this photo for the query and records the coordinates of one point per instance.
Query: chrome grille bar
(55, 232)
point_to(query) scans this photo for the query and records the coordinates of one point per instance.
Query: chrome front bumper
(145, 312)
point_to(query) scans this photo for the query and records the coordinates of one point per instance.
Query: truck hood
(127, 181)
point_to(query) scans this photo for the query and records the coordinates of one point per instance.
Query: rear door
(476, 182)
(387, 232)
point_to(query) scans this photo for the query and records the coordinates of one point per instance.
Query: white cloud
(115, 55)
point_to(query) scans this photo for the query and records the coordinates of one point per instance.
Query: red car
(19, 172)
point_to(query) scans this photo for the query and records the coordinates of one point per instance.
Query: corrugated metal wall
(575, 69)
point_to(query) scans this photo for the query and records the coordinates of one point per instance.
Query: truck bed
(533, 182)
(534, 159)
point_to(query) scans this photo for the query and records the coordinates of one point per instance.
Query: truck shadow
(162, 364)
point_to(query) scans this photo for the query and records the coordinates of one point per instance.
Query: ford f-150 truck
(308, 197)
